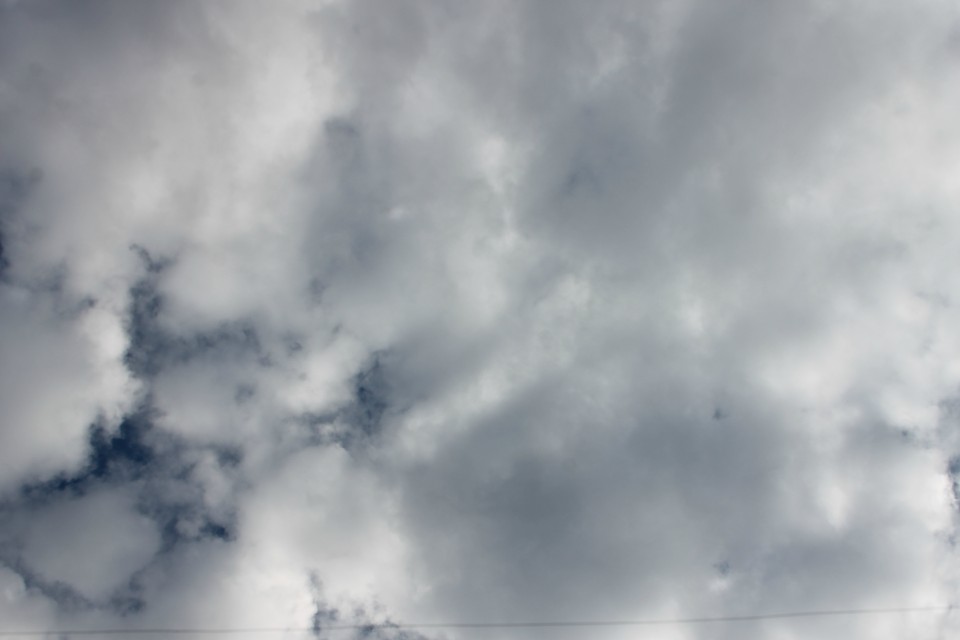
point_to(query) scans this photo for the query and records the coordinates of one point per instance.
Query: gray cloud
(364, 313)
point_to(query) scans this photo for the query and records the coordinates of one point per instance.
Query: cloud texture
(354, 312)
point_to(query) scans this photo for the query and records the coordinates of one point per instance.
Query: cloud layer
(368, 312)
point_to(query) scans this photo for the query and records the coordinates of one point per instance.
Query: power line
(424, 626)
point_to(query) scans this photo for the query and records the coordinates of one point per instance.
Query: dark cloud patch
(123, 456)
(146, 341)
(364, 417)
(129, 602)
(229, 457)
(323, 615)
(372, 393)
(358, 423)
(218, 531)
(186, 521)
(153, 265)
(153, 348)
(159, 469)
(387, 631)
(327, 618)
(171, 495)
(953, 468)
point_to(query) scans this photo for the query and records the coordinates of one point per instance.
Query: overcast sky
(385, 311)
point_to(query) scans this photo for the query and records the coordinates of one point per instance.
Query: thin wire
(482, 625)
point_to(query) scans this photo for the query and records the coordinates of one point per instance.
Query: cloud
(65, 543)
(354, 313)
(60, 374)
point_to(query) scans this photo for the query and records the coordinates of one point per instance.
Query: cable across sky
(529, 624)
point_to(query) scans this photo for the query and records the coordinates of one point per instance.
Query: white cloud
(509, 311)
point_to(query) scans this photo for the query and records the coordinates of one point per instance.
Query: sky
(367, 312)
